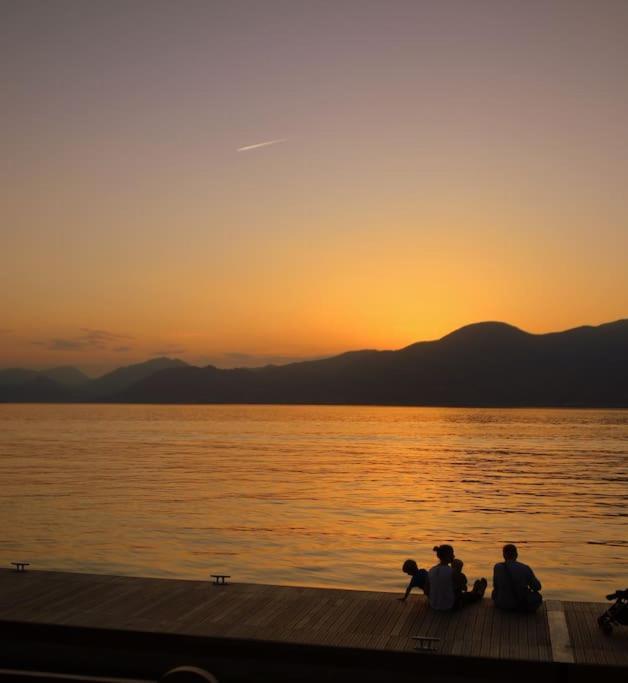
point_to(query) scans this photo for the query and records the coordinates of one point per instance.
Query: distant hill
(39, 389)
(119, 380)
(15, 376)
(70, 384)
(486, 364)
(65, 376)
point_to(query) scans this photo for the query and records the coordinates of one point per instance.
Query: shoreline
(461, 406)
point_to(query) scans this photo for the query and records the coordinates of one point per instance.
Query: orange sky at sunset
(439, 164)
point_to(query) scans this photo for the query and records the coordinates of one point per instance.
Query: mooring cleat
(219, 579)
(426, 643)
(20, 566)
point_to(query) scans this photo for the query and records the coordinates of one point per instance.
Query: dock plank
(590, 644)
(373, 621)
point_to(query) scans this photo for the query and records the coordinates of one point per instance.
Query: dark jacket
(511, 583)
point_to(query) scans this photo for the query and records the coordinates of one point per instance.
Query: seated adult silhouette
(440, 580)
(514, 585)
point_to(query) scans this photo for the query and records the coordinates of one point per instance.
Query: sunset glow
(434, 171)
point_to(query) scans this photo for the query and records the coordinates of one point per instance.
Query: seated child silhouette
(418, 577)
(462, 595)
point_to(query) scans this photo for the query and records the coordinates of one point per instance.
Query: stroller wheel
(605, 625)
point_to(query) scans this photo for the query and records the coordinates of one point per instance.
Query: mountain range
(484, 364)
(68, 384)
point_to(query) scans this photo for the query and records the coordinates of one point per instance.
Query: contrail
(260, 144)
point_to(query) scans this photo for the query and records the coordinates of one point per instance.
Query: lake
(315, 495)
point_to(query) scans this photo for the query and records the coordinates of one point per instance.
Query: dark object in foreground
(20, 566)
(617, 613)
(220, 579)
(188, 674)
(181, 674)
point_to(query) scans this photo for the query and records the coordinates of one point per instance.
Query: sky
(433, 164)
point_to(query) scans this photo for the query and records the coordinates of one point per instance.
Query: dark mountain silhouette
(486, 364)
(70, 384)
(39, 389)
(16, 376)
(65, 376)
(118, 380)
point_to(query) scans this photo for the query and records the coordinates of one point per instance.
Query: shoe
(479, 586)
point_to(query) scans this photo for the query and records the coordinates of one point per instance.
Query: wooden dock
(132, 626)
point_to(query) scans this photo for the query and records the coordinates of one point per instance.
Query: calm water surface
(318, 496)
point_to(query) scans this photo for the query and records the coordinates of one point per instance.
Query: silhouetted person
(418, 577)
(440, 588)
(462, 595)
(514, 585)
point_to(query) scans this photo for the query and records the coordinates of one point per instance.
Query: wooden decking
(590, 646)
(371, 621)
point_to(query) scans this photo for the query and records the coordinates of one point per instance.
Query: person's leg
(465, 599)
(479, 588)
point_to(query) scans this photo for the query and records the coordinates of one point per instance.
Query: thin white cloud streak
(261, 144)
